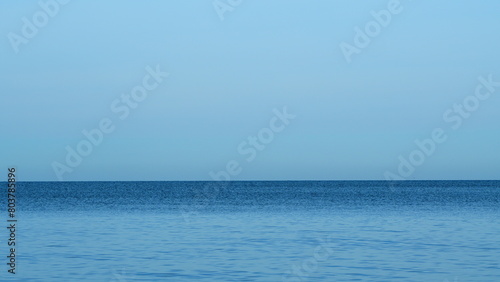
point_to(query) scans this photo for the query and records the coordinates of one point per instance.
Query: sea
(446, 231)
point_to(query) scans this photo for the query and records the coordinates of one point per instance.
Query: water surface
(258, 231)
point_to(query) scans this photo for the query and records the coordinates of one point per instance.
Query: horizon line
(309, 180)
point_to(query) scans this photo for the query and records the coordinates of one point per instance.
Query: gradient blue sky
(352, 121)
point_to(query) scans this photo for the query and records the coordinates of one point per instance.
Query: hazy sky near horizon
(353, 118)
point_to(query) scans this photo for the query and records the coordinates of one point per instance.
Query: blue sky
(352, 119)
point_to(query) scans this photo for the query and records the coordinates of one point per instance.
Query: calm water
(257, 231)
